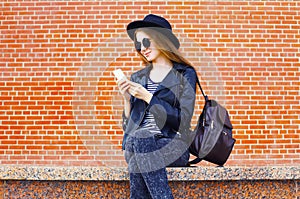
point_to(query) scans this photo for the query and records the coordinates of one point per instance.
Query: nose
(143, 48)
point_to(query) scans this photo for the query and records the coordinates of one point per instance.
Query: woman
(159, 104)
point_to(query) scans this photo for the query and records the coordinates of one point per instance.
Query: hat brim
(133, 26)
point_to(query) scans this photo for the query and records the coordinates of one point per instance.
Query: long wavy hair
(165, 46)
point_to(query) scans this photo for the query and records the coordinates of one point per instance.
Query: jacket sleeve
(178, 117)
(124, 118)
(124, 121)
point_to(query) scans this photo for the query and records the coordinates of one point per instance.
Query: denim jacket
(172, 103)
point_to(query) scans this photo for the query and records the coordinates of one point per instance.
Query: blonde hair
(165, 46)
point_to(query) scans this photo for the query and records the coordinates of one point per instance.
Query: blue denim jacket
(172, 103)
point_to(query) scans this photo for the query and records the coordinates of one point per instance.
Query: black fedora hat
(153, 21)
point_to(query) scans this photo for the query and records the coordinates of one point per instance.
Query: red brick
(257, 56)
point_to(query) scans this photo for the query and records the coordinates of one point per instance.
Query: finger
(121, 81)
(125, 89)
(134, 84)
(133, 90)
(122, 85)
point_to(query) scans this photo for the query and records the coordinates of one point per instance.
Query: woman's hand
(138, 91)
(124, 85)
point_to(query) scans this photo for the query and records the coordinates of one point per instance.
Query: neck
(162, 62)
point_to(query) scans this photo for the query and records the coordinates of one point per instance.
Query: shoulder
(185, 70)
(190, 71)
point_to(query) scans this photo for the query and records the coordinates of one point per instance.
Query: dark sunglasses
(146, 43)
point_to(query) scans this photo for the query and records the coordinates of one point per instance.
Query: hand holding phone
(124, 84)
(119, 74)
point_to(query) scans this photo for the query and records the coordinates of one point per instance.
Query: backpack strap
(198, 82)
(195, 161)
(204, 95)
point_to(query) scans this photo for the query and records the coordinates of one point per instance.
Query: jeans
(147, 156)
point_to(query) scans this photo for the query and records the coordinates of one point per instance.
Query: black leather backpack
(212, 138)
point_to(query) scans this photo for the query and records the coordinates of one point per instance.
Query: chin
(149, 59)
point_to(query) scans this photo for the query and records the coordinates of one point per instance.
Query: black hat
(159, 23)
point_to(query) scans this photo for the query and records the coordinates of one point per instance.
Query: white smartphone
(119, 74)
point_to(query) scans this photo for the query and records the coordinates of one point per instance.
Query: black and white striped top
(149, 121)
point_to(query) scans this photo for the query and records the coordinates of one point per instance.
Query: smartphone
(119, 74)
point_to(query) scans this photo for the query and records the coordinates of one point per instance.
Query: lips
(147, 54)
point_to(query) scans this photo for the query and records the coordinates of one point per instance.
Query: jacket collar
(179, 67)
(169, 81)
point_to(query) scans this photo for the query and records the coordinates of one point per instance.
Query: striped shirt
(149, 121)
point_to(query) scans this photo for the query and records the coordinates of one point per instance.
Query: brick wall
(59, 104)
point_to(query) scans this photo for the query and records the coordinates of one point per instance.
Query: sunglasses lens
(146, 43)
(138, 46)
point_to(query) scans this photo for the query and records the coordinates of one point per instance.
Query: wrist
(148, 97)
(126, 111)
(126, 97)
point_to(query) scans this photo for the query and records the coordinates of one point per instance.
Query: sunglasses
(146, 43)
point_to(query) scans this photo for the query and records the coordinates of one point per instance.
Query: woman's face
(152, 52)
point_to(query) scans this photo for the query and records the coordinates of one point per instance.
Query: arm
(123, 85)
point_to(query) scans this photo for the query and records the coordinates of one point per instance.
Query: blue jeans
(148, 156)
